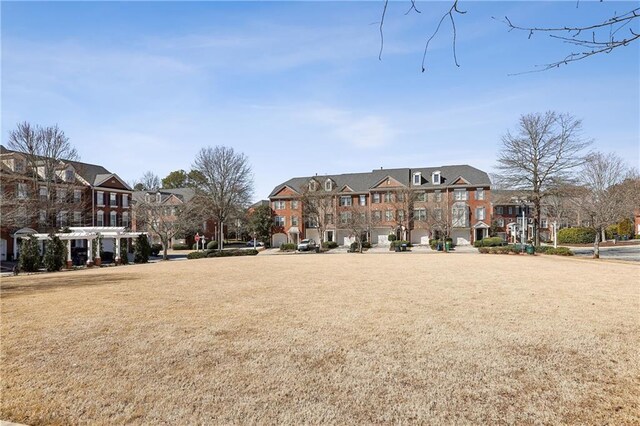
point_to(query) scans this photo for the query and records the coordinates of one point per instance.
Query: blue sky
(298, 87)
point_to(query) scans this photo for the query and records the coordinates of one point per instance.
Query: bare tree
(403, 202)
(318, 208)
(543, 153)
(603, 197)
(593, 38)
(357, 221)
(148, 182)
(45, 190)
(166, 220)
(228, 185)
(439, 214)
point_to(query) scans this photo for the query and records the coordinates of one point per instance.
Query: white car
(306, 244)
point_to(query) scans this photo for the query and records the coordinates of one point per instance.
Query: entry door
(329, 235)
(3, 249)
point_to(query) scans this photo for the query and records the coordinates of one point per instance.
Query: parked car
(307, 244)
(258, 243)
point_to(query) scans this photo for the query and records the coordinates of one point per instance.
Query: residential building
(414, 204)
(75, 194)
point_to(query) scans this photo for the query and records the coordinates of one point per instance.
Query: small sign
(197, 238)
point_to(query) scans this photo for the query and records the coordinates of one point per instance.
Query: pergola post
(89, 252)
(69, 262)
(118, 259)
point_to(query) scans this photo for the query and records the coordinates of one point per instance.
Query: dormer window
(69, 176)
(18, 166)
(312, 185)
(147, 198)
(435, 178)
(158, 197)
(328, 185)
(417, 178)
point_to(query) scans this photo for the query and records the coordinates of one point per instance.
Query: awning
(294, 230)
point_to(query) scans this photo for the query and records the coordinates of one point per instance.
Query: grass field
(374, 338)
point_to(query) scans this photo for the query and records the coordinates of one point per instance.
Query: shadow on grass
(49, 283)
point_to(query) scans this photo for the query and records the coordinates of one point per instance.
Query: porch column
(69, 261)
(118, 258)
(15, 247)
(89, 252)
(97, 260)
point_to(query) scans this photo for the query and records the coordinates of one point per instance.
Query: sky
(298, 87)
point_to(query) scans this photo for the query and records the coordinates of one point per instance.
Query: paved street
(629, 253)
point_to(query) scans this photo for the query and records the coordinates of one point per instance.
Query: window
(363, 217)
(499, 210)
(417, 178)
(125, 219)
(438, 196)
(479, 194)
(421, 196)
(388, 197)
(435, 178)
(279, 205)
(345, 200)
(313, 185)
(363, 200)
(328, 185)
(18, 166)
(61, 194)
(44, 193)
(460, 215)
(77, 218)
(480, 213)
(100, 198)
(158, 197)
(345, 217)
(328, 218)
(69, 176)
(543, 223)
(460, 194)
(43, 216)
(22, 190)
(113, 219)
(400, 214)
(400, 197)
(100, 218)
(294, 204)
(147, 198)
(279, 220)
(311, 222)
(61, 219)
(510, 210)
(125, 200)
(420, 214)
(294, 220)
(377, 215)
(172, 211)
(501, 222)
(388, 215)
(77, 195)
(376, 197)
(113, 199)
(437, 213)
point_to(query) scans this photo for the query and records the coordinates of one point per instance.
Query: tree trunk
(165, 247)
(596, 246)
(604, 235)
(536, 222)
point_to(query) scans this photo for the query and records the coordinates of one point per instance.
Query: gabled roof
(183, 194)
(363, 182)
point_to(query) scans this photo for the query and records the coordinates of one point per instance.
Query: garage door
(419, 236)
(460, 237)
(278, 239)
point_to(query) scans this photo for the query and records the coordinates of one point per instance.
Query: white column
(118, 258)
(15, 247)
(89, 251)
(68, 250)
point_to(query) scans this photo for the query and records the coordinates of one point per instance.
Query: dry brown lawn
(374, 338)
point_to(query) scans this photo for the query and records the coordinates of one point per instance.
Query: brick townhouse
(81, 194)
(415, 204)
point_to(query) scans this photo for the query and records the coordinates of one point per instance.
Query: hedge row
(224, 253)
(576, 235)
(489, 242)
(329, 245)
(288, 246)
(560, 251)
